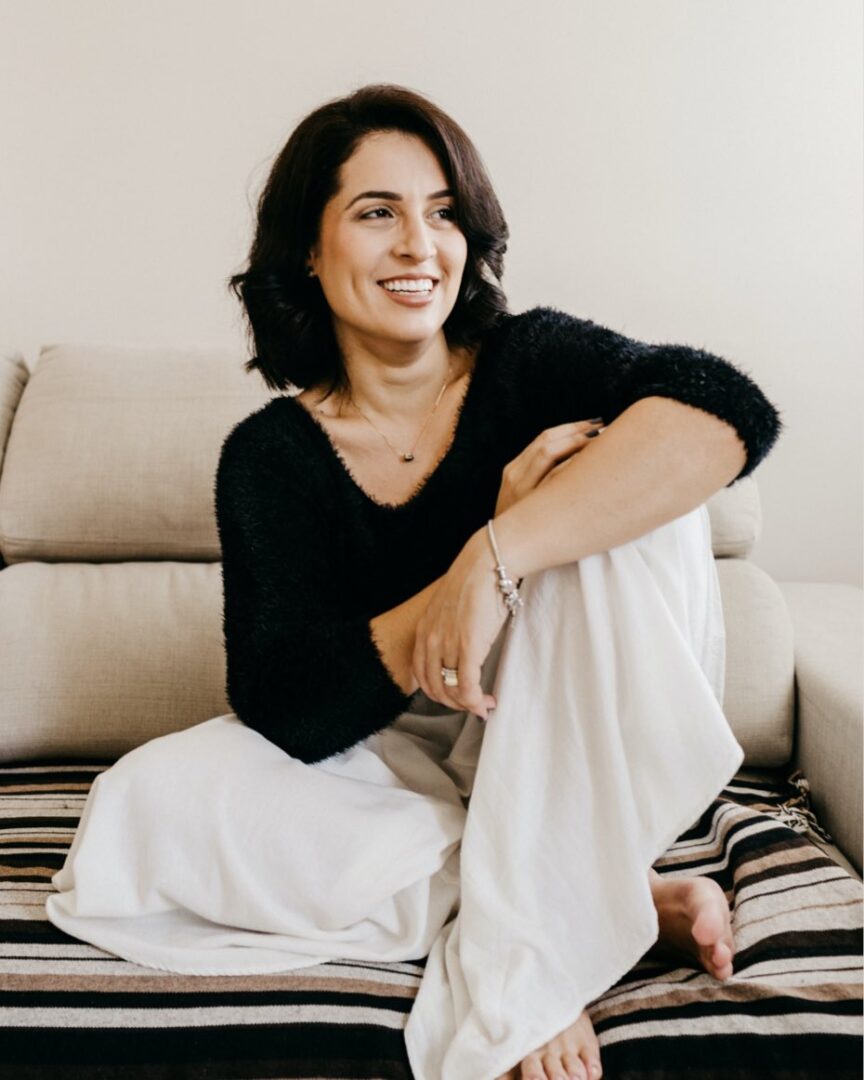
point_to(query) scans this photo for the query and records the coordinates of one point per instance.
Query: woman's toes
(574, 1067)
(568, 1056)
(595, 1069)
(722, 960)
(584, 1067)
(532, 1068)
(712, 919)
(554, 1067)
(717, 960)
(582, 1060)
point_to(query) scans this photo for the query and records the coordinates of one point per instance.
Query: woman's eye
(372, 215)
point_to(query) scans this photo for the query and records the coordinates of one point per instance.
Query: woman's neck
(399, 388)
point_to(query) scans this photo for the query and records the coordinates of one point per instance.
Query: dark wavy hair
(289, 319)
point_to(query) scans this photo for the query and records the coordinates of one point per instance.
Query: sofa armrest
(828, 624)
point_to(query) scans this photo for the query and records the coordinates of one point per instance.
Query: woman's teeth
(408, 285)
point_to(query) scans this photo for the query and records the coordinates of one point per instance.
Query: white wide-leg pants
(515, 853)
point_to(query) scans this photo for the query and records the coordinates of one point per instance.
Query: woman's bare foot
(572, 1055)
(694, 920)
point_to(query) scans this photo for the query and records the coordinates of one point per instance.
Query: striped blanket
(792, 1010)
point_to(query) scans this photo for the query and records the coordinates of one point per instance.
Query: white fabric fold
(211, 851)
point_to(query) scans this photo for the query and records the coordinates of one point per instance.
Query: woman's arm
(658, 460)
(570, 367)
(681, 424)
(302, 667)
(393, 633)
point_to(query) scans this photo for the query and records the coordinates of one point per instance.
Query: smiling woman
(391, 273)
(390, 184)
(368, 609)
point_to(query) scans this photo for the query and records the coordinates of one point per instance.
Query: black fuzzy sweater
(308, 558)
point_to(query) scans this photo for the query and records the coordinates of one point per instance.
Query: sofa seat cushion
(121, 652)
(101, 657)
(792, 1010)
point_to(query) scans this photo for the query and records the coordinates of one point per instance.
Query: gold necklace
(407, 455)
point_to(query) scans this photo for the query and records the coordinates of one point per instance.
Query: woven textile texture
(792, 1010)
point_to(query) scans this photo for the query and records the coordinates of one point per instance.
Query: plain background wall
(680, 171)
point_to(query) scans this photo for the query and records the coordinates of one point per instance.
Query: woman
(406, 543)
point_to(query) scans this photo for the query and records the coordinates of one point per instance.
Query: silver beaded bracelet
(509, 591)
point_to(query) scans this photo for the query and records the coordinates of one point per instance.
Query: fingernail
(592, 434)
(596, 420)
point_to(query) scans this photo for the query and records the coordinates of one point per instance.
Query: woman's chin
(412, 331)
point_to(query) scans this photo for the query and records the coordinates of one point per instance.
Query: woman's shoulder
(272, 437)
(274, 423)
(537, 327)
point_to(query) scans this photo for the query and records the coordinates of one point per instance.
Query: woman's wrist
(508, 589)
(481, 555)
(508, 547)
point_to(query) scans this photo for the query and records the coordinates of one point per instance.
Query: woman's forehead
(385, 159)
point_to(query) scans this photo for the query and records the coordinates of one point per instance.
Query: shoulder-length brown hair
(289, 319)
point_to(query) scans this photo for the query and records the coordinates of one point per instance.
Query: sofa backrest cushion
(113, 452)
(759, 700)
(736, 518)
(14, 374)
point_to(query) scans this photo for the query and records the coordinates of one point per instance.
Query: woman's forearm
(393, 632)
(658, 460)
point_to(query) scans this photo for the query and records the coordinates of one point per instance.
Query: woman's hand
(466, 613)
(459, 627)
(542, 457)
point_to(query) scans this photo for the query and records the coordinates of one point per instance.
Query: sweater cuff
(712, 384)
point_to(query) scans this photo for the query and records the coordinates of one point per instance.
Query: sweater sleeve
(302, 668)
(577, 369)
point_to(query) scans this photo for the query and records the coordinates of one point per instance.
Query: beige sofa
(110, 599)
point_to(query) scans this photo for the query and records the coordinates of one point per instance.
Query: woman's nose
(415, 239)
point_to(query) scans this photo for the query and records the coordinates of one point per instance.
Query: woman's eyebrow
(393, 195)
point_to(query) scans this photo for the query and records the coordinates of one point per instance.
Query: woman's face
(391, 220)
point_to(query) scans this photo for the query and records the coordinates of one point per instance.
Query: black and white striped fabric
(792, 1010)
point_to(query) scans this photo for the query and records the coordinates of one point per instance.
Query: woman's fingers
(549, 450)
(427, 670)
(552, 447)
(468, 696)
(457, 630)
(470, 693)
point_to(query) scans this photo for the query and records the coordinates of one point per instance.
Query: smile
(410, 292)
(408, 285)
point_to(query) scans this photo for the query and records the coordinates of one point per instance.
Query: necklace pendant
(408, 457)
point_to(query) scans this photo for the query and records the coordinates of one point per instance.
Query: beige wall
(681, 171)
